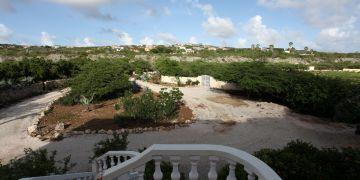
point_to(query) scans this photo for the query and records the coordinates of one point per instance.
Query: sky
(323, 25)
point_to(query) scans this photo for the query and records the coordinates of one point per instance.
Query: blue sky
(325, 25)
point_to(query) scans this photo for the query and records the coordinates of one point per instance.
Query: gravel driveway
(220, 119)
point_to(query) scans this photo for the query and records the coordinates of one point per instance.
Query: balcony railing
(199, 161)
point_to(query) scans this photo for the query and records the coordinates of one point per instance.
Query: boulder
(110, 132)
(60, 127)
(88, 131)
(32, 130)
(102, 131)
(56, 136)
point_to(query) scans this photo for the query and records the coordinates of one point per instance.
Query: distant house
(117, 48)
(212, 48)
(149, 48)
(187, 50)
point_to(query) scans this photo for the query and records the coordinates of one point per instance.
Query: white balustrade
(172, 152)
(114, 157)
(110, 167)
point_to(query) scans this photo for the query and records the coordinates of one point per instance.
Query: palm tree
(290, 45)
(252, 46)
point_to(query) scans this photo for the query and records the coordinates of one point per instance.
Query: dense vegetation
(300, 160)
(35, 163)
(147, 108)
(37, 69)
(330, 97)
(100, 80)
(329, 65)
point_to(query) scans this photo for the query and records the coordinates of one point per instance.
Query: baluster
(99, 165)
(157, 174)
(118, 158)
(231, 175)
(251, 175)
(175, 174)
(212, 175)
(112, 161)
(104, 163)
(194, 175)
(141, 171)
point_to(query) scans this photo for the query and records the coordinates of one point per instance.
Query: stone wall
(14, 94)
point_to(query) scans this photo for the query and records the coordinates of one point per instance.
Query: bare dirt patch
(96, 117)
(233, 101)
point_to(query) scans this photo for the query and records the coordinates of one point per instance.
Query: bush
(38, 69)
(117, 143)
(141, 66)
(300, 160)
(35, 163)
(147, 108)
(101, 80)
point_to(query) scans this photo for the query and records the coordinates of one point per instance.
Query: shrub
(300, 160)
(35, 163)
(102, 80)
(147, 108)
(141, 66)
(117, 143)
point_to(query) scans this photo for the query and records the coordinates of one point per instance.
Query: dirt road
(15, 120)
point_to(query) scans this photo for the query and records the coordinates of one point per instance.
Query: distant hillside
(177, 52)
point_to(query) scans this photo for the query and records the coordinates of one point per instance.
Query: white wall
(216, 84)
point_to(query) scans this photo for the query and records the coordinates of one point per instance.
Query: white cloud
(343, 38)
(219, 27)
(260, 33)
(192, 40)
(167, 11)
(85, 42)
(167, 38)
(90, 8)
(214, 25)
(5, 33)
(47, 39)
(279, 3)
(207, 9)
(336, 21)
(241, 43)
(124, 37)
(147, 41)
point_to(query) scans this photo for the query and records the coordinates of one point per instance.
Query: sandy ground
(221, 119)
